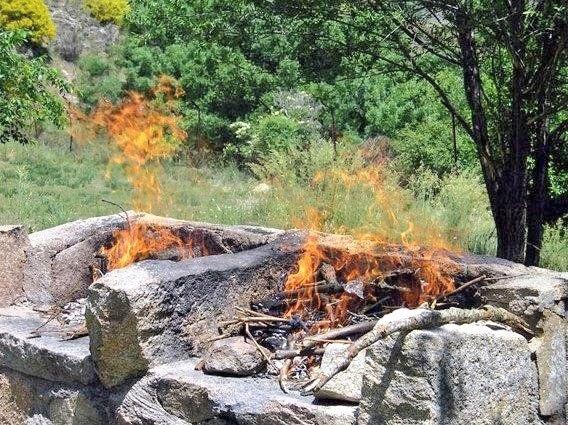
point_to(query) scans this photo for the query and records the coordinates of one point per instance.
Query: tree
(513, 59)
(28, 91)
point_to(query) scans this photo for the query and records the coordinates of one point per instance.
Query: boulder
(14, 244)
(158, 311)
(233, 356)
(28, 400)
(466, 374)
(178, 394)
(61, 258)
(346, 385)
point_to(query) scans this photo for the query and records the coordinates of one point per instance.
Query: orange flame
(377, 255)
(143, 136)
(142, 241)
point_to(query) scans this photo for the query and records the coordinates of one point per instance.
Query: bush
(28, 15)
(29, 91)
(98, 79)
(108, 10)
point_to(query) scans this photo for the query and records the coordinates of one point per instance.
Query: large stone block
(14, 244)
(551, 360)
(177, 394)
(452, 375)
(529, 295)
(158, 311)
(33, 401)
(61, 259)
(45, 357)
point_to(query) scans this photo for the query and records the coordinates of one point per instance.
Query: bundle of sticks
(293, 345)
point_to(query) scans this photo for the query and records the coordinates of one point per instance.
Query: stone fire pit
(149, 324)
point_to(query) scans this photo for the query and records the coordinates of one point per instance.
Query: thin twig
(123, 210)
(259, 348)
(461, 288)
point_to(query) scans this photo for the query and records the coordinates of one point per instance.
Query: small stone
(233, 356)
(346, 385)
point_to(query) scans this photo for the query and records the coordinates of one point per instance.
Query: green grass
(43, 186)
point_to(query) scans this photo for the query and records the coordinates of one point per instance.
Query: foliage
(108, 10)
(292, 125)
(28, 15)
(98, 79)
(512, 59)
(28, 91)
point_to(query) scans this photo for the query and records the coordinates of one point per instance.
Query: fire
(142, 241)
(143, 135)
(393, 241)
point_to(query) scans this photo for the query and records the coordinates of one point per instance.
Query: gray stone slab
(452, 375)
(158, 311)
(178, 394)
(45, 357)
(528, 295)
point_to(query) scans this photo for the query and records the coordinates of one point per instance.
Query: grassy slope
(43, 186)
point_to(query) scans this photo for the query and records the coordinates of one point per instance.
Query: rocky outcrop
(77, 31)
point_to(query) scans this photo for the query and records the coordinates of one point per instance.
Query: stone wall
(148, 321)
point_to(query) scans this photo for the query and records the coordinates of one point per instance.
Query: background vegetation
(267, 115)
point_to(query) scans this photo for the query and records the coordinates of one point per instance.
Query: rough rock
(158, 311)
(44, 357)
(455, 375)
(551, 360)
(529, 295)
(76, 409)
(28, 400)
(178, 394)
(77, 31)
(61, 258)
(233, 356)
(14, 243)
(345, 385)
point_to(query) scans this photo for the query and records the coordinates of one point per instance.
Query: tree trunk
(537, 197)
(509, 213)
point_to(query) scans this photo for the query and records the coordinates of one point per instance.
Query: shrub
(108, 10)
(98, 79)
(30, 91)
(28, 15)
